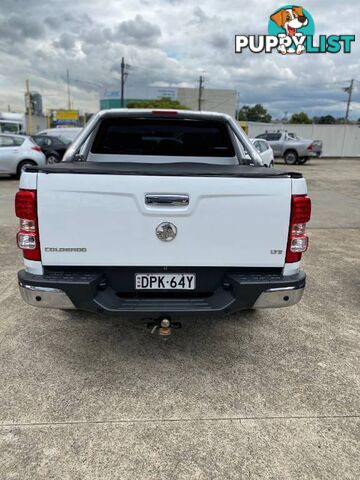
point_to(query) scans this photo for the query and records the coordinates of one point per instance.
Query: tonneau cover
(181, 169)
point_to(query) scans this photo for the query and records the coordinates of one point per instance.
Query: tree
(242, 114)
(325, 120)
(300, 117)
(163, 102)
(254, 114)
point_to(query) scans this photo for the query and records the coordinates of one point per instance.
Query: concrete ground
(259, 395)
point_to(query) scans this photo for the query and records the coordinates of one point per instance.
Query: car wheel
(291, 157)
(22, 165)
(53, 159)
(303, 160)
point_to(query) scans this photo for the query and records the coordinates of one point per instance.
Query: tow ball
(164, 326)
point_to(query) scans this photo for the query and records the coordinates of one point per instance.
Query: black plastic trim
(177, 169)
(219, 292)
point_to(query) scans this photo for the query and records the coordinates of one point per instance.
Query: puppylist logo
(291, 30)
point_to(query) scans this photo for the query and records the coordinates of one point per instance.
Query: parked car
(69, 133)
(17, 151)
(164, 215)
(53, 147)
(265, 151)
(291, 147)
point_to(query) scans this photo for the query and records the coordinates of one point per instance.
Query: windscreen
(163, 137)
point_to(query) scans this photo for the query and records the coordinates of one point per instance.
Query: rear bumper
(94, 292)
(313, 153)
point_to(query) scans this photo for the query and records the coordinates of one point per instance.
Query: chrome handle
(164, 199)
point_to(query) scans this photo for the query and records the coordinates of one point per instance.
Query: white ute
(157, 213)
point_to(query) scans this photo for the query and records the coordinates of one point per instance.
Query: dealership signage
(143, 93)
(65, 117)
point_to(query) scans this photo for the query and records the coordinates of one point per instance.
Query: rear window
(163, 137)
(261, 145)
(273, 137)
(18, 141)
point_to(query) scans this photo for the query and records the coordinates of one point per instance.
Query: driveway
(258, 395)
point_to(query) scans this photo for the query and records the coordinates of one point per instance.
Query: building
(36, 103)
(213, 100)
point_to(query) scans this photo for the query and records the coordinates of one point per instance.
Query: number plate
(165, 281)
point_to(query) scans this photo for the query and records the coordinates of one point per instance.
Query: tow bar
(164, 326)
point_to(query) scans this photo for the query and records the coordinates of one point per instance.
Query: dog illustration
(290, 19)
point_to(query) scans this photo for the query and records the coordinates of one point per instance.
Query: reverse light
(28, 235)
(26, 241)
(299, 217)
(299, 244)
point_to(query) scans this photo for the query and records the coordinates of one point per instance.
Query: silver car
(292, 148)
(17, 151)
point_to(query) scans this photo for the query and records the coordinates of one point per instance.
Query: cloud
(137, 32)
(16, 28)
(168, 42)
(200, 15)
(219, 40)
(66, 41)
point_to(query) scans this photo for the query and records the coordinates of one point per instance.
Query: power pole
(237, 105)
(122, 82)
(124, 76)
(28, 105)
(349, 90)
(201, 88)
(68, 89)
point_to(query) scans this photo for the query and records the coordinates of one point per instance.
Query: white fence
(338, 140)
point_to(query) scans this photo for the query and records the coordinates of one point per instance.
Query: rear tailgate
(103, 220)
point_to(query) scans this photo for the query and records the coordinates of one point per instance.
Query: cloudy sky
(169, 43)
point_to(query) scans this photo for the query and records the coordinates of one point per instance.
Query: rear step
(220, 300)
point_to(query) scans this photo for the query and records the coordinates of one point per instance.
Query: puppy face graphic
(290, 19)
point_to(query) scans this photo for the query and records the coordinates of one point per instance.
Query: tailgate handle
(165, 199)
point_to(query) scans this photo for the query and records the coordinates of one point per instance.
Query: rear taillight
(299, 217)
(28, 234)
(37, 148)
(310, 147)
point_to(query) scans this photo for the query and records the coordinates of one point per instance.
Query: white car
(69, 133)
(265, 151)
(159, 213)
(17, 151)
